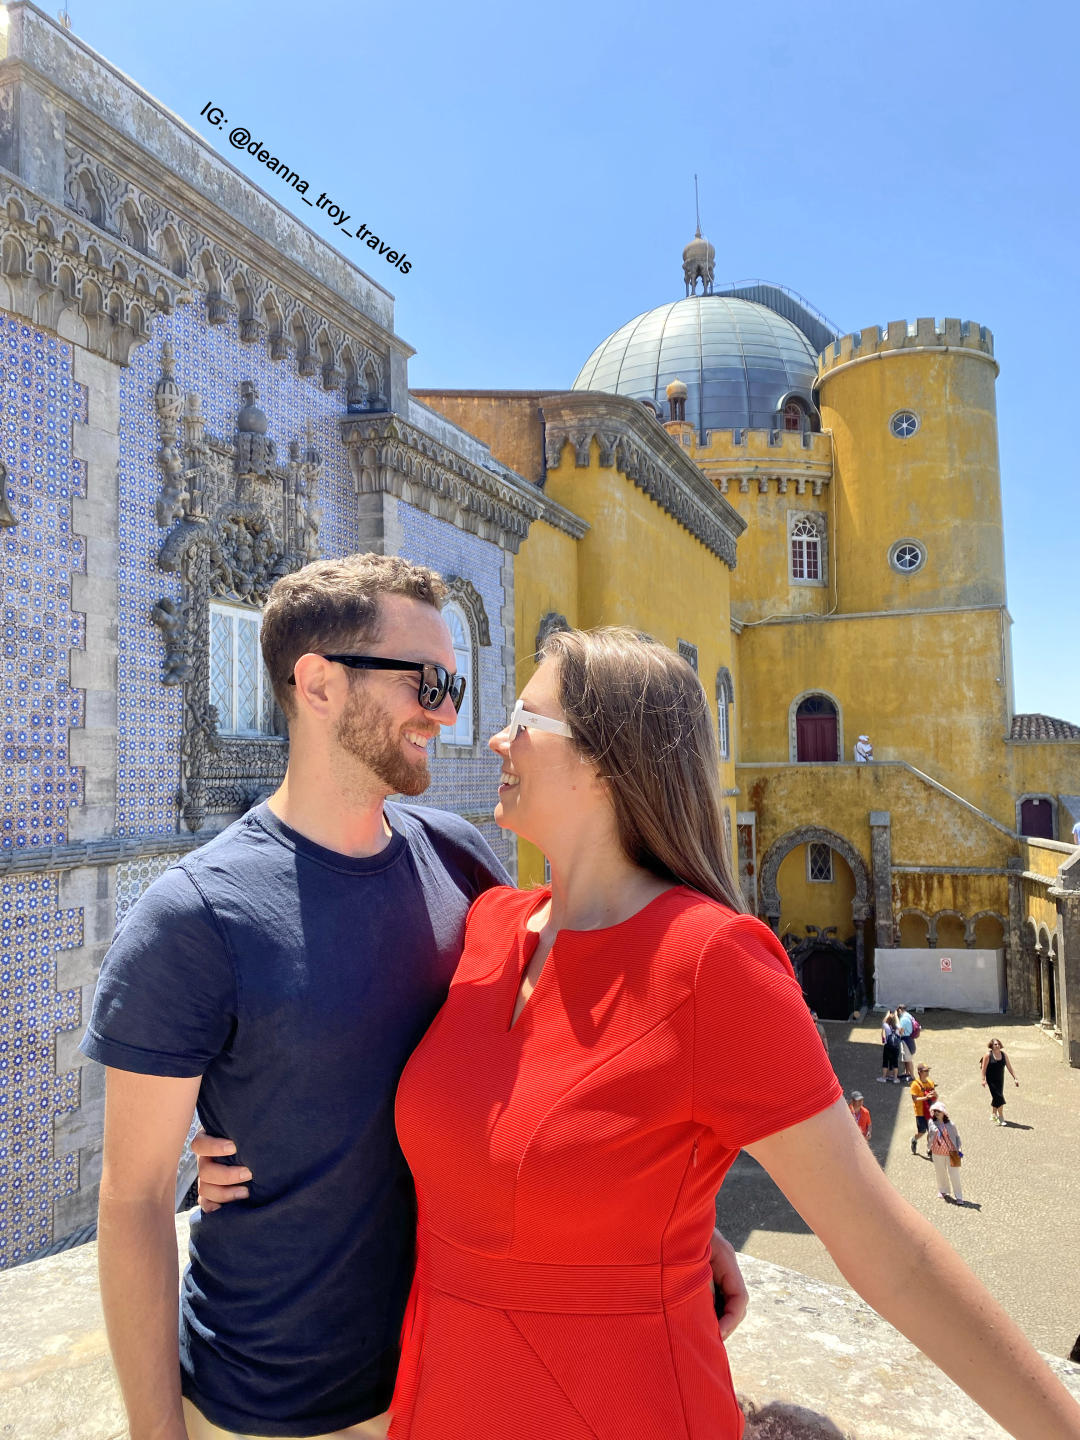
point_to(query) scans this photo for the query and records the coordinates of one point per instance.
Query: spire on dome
(699, 256)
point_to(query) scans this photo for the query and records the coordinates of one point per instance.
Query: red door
(816, 730)
(1037, 819)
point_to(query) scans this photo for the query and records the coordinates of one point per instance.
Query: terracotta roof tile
(1042, 727)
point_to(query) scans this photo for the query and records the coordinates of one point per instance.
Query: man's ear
(318, 683)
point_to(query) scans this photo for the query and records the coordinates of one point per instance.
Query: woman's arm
(836, 1185)
(1008, 1067)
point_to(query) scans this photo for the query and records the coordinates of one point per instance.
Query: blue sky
(535, 161)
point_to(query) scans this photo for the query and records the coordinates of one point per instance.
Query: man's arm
(146, 1122)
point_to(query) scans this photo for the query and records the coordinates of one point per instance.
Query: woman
(608, 1045)
(890, 1050)
(994, 1064)
(945, 1151)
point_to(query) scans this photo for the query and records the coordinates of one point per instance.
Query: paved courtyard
(1024, 1239)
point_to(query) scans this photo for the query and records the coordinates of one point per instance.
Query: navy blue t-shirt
(296, 981)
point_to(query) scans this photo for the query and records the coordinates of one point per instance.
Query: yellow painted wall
(924, 688)
(1051, 768)
(804, 902)
(941, 486)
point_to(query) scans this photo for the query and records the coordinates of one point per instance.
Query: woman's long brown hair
(638, 711)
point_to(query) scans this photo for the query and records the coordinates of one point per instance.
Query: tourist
(905, 1023)
(945, 1151)
(890, 1050)
(860, 1114)
(923, 1093)
(994, 1064)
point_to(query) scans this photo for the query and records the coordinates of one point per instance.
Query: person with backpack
(910, 1029)
(890, 1050)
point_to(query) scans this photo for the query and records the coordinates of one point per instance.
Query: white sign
(946, 963)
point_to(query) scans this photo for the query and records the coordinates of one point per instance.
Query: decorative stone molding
(109, 851)
(881, 870)
(969, 927)
(811, 835)
(472, 602)
(549, 625)
(52, 262)
(900, 915)
(236, 520)
(264, 310)
(389, 454)
(629, 439)
(725, 687)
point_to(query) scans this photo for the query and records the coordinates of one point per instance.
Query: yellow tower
(918, 522)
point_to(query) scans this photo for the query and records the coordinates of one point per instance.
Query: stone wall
(810, 1362)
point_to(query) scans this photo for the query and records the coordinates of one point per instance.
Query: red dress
(567, 1169)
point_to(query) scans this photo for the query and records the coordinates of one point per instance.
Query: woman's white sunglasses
(522, 719)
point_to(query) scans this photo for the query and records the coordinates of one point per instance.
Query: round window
(907, 556)
(904, 424)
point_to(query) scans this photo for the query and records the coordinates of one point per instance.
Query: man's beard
(366, 733)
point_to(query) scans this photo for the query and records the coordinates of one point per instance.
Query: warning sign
(946, 963)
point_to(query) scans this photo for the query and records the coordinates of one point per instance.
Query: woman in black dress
(994, 1064)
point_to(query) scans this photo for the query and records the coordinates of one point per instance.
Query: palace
(199, 395)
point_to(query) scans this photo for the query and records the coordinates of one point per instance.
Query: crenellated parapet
(901, 336)
(760, 462)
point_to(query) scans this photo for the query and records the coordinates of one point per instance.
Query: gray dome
(739, 361)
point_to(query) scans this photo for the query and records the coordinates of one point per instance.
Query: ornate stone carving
(171, 618)
(389, 454)
(550, 623)
(470, 599)
(52, 262)
(7, 515)
(263, 311)
(809, 835)
(627, 438)
(236, 520)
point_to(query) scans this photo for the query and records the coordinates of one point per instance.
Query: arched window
(725, 696)
(805, 550)
(816, 730)
(462, 732)
(794, 416)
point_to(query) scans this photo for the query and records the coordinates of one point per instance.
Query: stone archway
(860, 905)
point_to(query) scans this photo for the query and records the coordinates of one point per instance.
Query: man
(906, 1025)
(923, 1094)
(280, 976)
(860, 1114)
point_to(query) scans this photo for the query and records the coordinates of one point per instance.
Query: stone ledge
(810, 1362)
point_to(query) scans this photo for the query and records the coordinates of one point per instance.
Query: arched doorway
(811, 836)
(817, 730)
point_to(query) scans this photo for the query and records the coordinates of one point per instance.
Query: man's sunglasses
(436, 682)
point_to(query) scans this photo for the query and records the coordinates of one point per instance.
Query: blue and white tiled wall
(39, 554)
(209, 359)
(33, 930)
